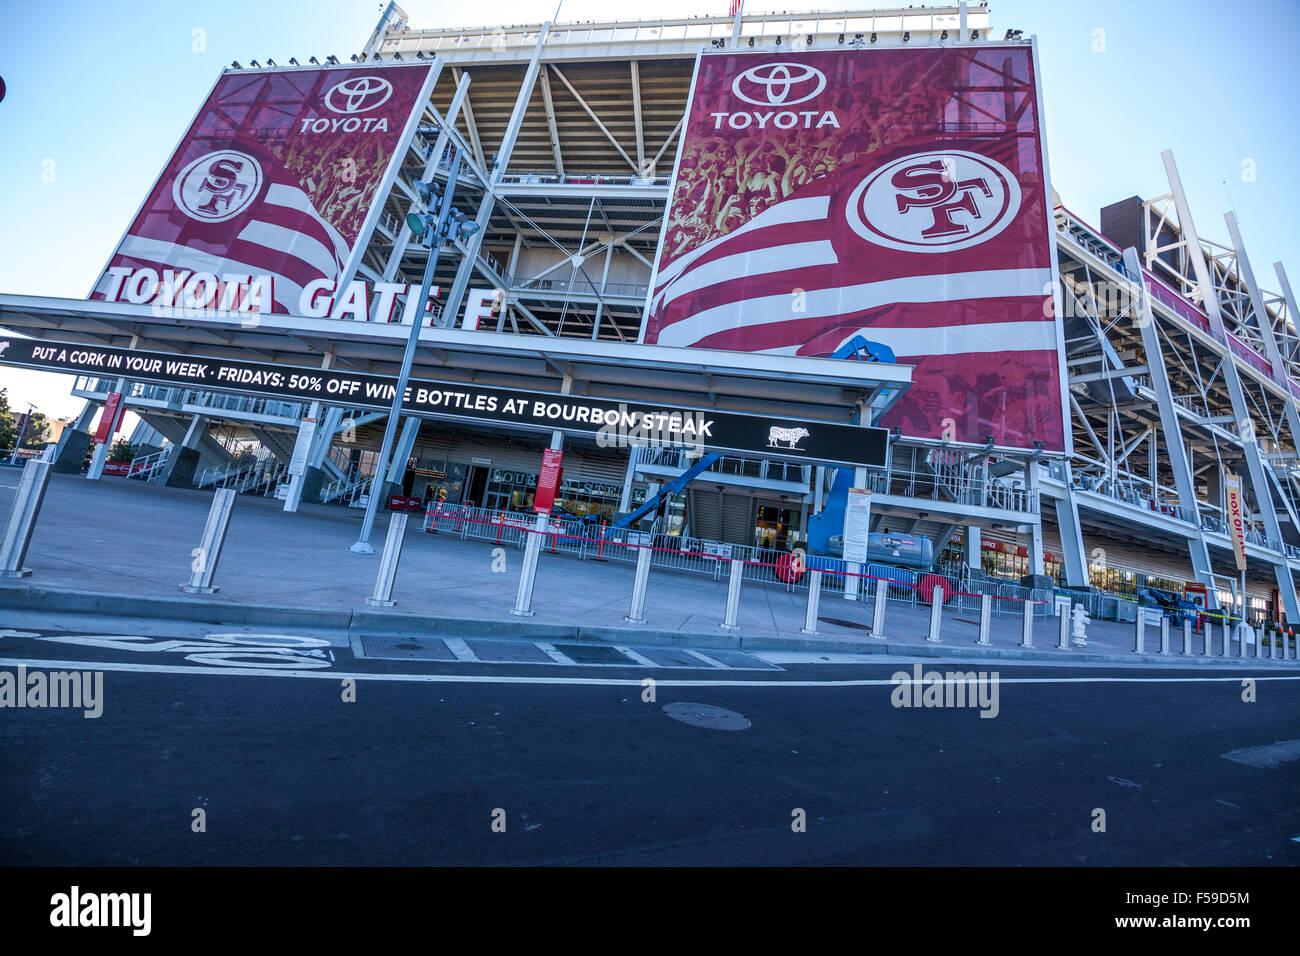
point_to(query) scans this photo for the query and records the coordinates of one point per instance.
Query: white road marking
(459, 648)
(644, 661)
(708, 660)
(550, 651)
(577, 681)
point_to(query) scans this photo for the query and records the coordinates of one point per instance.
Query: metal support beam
(1254, 464)
(430, 167)
(1290, 409)
(1073, 551)
(488, 204)
(636, 119)
(1171, 430)
(550, 121)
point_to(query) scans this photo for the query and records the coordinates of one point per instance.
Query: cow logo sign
(786, 438)
(779, 84)
(938, 201)
(218, 186)
(358, 94)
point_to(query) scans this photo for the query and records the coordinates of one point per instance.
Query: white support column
(971, 545)
(1240, 409)
(625, 499)
(294, 497)
(852, 582)
(197, 428)
(1036, 566)
(600, 299)
(405, 442)
(1073, 552)
(100, 456)
(1171, 430)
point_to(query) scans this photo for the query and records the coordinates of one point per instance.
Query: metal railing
(149, 467)
(176, 397)
(578, 285)
(740, 467)
(587, 540)
(346, 489)
(543, 178)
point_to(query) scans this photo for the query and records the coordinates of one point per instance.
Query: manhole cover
(707, 716)
(843, 623)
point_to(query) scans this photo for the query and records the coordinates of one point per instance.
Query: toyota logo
(779, 84)
(359, 94)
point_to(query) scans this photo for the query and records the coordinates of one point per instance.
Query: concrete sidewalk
(121, 547)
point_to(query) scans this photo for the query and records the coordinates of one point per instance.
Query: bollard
(936, 613)
(814, 599)
(204, 566)
(1226, 637)
(1287, 643)
(383, 593)
(1187, 638)
(636, 613)
(1272, 647)
(1164, 635)
(1241, 641)
(733, 595)
(524, 600)
(986, 616)
(22, 518)
(1139, 628)
(1063, 631)
(1206, 636)
(1027, 624)
(878, 611)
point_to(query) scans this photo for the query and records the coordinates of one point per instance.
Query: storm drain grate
(593, 654)
(401, 648)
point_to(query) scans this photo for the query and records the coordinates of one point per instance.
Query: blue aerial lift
(831, 519)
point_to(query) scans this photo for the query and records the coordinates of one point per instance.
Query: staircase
(212, 453)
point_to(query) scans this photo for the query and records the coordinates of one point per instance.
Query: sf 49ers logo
(938, 201)
(218, 186)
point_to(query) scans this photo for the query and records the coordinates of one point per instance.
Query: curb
(353, 621)
(173, 609)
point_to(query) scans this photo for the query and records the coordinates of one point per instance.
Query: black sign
(611, 423)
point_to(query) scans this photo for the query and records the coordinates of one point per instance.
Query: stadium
(789, 224)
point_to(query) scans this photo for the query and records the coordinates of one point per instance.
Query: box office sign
(610, 422)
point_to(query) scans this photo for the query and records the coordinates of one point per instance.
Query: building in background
(1079, 393)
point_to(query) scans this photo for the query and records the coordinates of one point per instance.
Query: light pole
(431, 229)
(22, 432)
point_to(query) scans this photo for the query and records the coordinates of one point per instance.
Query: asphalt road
(584, 771)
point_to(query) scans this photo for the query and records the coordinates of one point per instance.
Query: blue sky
(99, 91)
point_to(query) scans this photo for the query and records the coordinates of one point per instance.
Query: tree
(37, 431)
(6, 423)
(122, 450)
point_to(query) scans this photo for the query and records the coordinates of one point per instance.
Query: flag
(276, 231)
(972, 321)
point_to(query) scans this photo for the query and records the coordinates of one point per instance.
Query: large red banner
(896, 195)
(276, 177)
